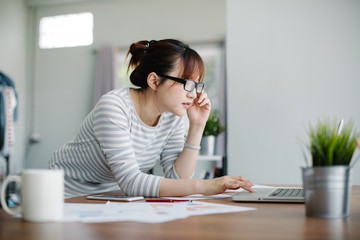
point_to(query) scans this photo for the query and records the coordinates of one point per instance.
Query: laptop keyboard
(288, 192)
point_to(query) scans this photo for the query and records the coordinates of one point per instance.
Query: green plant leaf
(329, 148)
(213, 125)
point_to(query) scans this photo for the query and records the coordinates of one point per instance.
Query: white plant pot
(208, 144)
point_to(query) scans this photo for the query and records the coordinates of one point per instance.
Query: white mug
(42, 195)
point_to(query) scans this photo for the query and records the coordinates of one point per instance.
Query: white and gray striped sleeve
(172, 149)
(111, 128)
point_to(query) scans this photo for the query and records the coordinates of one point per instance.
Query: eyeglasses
(189, 85)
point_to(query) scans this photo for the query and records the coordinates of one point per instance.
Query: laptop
(277, 194)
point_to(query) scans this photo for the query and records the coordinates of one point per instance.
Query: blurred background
(272, 67)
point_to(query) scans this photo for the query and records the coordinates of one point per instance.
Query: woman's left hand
(199, 112)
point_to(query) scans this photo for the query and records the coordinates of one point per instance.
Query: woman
(130, 129)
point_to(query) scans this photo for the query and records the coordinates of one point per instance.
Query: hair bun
(137, 51)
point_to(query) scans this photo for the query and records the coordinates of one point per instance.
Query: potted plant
(327, 183)
(212, 129)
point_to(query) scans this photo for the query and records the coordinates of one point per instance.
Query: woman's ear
(153, 81)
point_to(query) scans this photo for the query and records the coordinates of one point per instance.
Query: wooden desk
(269, 221)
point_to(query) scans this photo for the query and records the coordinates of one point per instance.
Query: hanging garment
(8, 113)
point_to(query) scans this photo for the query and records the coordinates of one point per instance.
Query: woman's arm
(183, 187)
(198, 114)
(186, 162)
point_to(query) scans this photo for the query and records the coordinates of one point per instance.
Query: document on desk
(195, 197)
(114, 212)
(143, 211)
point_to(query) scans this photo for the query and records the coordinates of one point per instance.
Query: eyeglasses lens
(200, 87)
(191, 85)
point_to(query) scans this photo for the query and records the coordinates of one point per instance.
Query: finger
(201, 97)
(248, 187)
(245, 183)
(232, 184)
(205, 102)
(237, 185)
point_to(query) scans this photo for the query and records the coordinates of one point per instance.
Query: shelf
(210, 158)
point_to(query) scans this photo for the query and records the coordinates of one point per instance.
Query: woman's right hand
(221, 184)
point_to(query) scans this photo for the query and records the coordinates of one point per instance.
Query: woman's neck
(145, 106)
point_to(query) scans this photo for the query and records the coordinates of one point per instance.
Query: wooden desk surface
(268, 221)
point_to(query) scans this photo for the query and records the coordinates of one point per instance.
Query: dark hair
(161, 57)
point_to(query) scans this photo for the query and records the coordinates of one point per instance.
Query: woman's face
(172, 97)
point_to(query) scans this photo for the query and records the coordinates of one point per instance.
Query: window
(70, 30)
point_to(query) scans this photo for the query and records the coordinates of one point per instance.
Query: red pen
(167, 200)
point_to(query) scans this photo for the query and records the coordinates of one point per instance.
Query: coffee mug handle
(9, 179)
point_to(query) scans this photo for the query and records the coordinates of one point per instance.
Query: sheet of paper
(142, 211)
(113, 212)
(200, 197)
(255, 186)
(202, 208)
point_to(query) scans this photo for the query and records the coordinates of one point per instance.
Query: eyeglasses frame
(183, 81)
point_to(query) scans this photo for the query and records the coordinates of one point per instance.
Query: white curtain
(105, 71)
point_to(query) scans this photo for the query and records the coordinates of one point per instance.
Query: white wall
(63, 79)
(13, 54)
(289, 63)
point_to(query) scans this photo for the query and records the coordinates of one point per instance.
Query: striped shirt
(114, 148)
